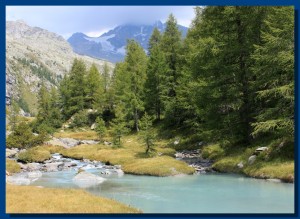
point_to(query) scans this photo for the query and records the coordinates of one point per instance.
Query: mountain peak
(111, 45)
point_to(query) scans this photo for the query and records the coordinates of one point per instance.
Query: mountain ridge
(111, 44)
(35, 55)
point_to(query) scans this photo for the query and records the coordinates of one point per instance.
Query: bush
(36, 154)
(212, 152)
(22, 137)
(80, 119)
(12, 166)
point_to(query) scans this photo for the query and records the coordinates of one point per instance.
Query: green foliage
(94, 92)
(156, 69)
(275, 75)
(36, 154)
(147, 134)
(80, 119)
(100, 127)
(13, 115)
(39, 69)
(73, 89)
(212, 152)
(49, 116)
(22, 137)
(119, 127)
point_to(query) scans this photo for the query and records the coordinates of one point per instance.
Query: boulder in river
(31, 166)
(85, 179)
(51, 167)
(34, 174)
(18, 179)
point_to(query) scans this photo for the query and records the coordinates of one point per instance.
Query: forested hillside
(229, 83)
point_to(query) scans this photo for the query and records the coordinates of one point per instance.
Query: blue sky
(94, 20)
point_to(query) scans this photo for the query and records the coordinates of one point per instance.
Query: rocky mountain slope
(111, 45)
(34, 55)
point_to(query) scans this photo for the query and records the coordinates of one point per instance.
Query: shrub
(100, 127)
(22, 137)
(80, 119)
(212, 152)
(36, 154)
(12, 166)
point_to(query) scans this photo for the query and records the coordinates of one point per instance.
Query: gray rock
(11, 152)
(251, 159)
(56, 141)
(118, 166)
(31, 167)
(107, 143)
(88, 142)
(240, 165)
(93, 126)
(85, 180)
(17, 180)
(69, 142)
(260, 149)
(176, 142)
(274, 180)
(70, 164)
(35, 174)
(52, 167)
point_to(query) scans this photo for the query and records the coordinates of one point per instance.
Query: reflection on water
(210, 193)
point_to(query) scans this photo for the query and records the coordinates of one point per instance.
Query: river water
(206, 193)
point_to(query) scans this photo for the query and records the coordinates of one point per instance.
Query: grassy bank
(132, 157)
(79, 135)
(261, 168)
(12, 166)
(29, 199)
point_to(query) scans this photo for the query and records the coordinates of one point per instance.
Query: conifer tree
(156, 68)
(274, 72)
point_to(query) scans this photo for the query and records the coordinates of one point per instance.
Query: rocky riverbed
(32, 171)
(194, 159)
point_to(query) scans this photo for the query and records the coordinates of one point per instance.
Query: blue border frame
(4, 3)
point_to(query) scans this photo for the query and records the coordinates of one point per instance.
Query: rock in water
(19, 179)
(35, 174)
(50, 167)
(85, 179)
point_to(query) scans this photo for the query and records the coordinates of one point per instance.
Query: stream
(201, 193)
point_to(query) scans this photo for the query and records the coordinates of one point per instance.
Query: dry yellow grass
(132, 157)
(281, 170)
(29, 199)
(12, 166)
(80, 135)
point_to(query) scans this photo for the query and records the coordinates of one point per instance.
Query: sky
(95, 20)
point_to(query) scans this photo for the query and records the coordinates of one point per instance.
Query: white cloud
(94, 20)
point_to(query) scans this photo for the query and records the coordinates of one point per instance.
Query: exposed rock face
(34, 54)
